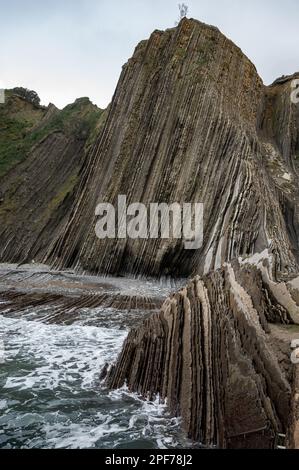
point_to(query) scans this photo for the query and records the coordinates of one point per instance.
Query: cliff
(191, 121)
(42, 151)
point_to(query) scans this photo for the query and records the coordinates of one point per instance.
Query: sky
(66, 49)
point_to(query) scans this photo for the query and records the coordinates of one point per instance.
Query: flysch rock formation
(191, 121)
(35, 292)
(42, 151)
(219, 353)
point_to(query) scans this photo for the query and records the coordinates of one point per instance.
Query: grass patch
(291, 328)
(12, 142)
(17, 137)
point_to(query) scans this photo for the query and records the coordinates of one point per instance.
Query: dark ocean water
(51, 395)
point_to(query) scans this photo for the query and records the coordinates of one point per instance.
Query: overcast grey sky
(65, 49)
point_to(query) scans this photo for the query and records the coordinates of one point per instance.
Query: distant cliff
(42, 151)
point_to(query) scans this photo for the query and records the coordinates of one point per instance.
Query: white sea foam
(52, 396)
(60, 354)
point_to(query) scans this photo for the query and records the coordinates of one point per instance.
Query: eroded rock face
(211, 353)
(41, 155)
(191, 121)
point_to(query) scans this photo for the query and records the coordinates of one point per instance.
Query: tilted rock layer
(191, 121)
(42, 151)
(212, 354)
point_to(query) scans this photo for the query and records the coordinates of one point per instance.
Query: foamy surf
(52, 397)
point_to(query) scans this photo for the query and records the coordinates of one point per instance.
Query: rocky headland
(190, 121)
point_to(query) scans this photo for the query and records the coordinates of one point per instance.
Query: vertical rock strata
(42, 151)
(191, 121)
(210, 353)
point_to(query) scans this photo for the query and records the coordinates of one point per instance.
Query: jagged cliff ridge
(191, 121)
(42, 151)
(213, 353)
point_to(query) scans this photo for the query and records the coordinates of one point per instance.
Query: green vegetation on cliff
(24, 124)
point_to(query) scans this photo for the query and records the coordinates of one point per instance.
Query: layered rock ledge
(219, 353)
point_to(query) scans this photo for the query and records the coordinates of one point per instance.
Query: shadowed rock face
(191, 121)
(211, 352)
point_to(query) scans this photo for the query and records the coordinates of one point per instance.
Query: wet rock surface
(36, 292)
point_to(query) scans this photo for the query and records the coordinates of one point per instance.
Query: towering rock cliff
(191, 121)
(42, 151)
